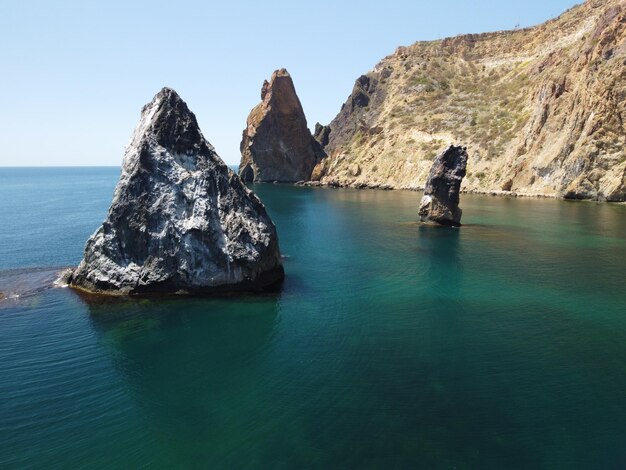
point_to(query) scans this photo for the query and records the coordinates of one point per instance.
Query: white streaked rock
(180, 220)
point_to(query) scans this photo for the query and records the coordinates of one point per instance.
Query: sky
(75, 74)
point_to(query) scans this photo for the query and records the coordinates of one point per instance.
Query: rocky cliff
(542, 110)
(277, 144)
(180, 220)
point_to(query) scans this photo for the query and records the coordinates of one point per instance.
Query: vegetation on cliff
(542, 110)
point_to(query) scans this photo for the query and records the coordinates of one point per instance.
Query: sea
(501, 344)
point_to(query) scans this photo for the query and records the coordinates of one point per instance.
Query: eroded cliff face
(542, 110)
(277, 144)
(180, 220)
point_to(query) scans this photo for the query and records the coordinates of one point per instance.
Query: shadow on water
(192, 365)
(451, 418)
(442, 247)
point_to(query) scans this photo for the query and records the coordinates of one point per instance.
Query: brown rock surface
(277, 144)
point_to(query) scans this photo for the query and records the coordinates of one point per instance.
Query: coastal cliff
(180, 220)
(277, 144)
(542, 111)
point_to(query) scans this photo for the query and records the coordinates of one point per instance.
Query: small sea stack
(277, 145)
(180, 220)
(440, 203)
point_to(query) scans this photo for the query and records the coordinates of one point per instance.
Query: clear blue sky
(75, 74)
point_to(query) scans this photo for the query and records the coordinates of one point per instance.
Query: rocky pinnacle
(180, 220)
(440, 203)
(277, 144)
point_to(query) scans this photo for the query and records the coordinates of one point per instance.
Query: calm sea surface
(498, 345)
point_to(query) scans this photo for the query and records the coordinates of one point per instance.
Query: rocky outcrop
(180, 220)
(542, 110)
(440, 203)
(277, 144)
(322, 134)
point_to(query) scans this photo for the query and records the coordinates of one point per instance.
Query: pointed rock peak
(278, 74)
(277, 144)
(280, 93)
(281, 75)
(166, 100)
(180, 220)
(282, 72)
(167, 91)
(168, 122)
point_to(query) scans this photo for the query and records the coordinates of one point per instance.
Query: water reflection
(441, 246)
(194, 366)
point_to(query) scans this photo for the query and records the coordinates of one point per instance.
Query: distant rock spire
(277, 144)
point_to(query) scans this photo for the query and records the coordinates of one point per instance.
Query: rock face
(277, 144)
(542, 110)
(322, 134)
(180, 220)
(440, 203)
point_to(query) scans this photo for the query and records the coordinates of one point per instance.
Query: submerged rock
(22, 283)
(180, 220)
(440, 203)
(277, 144)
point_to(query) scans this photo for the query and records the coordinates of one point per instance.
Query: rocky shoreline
(493, 193)
(537, 121)
(386, 187)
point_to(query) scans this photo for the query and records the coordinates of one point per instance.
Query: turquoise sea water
(391, 345)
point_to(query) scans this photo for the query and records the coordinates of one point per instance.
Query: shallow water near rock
(501, 344)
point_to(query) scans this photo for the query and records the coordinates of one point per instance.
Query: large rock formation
(180, 220)
(542, 110)
(440, 203)
(277, 144)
